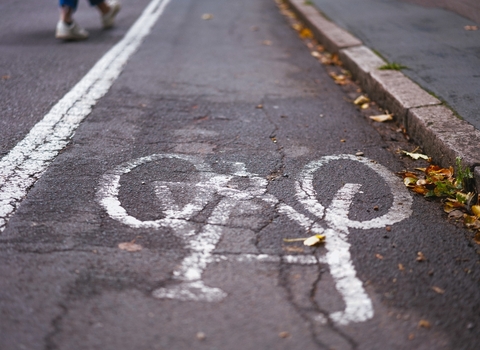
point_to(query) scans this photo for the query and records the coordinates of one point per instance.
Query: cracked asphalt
(239, 88)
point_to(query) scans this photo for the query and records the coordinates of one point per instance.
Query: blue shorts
(74, 3)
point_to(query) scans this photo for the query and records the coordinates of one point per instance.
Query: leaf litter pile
(452, 187)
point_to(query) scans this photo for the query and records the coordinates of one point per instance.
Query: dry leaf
(416, 155)
(297, 26)
(476, 210)
(420, 257)
(424, 324)
(207, 16)
(382, 117)
(455, 214)
(379, 256)
(438, 290)
(365, 106)
(306, 33)
(5, 77)
(360, 100)
(130, 246)
(316, 54)
(470, 27)
(284, 335)
(259, 106)
(476, 239)
(400, 267)
(314, 240)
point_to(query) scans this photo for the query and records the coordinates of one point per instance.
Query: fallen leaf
(297, 26)
(365, 105)
(410, 181)
(306, 33)
(360, 100)
(284, 335)
(400, 267)
(455, 214)
(207, 16)
(316, 54)
(382, 117)
(420, 257)
(476, 210)
(470, 27)
(314, 240)
(130, 246)
(471, 221)
(343, 140)
(379, 256)
(5, 77)
(424, 324)
(438, 290)
(259, 106)
(416, 156)
(476, 239)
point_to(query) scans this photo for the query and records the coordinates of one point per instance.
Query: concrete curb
(432, 125)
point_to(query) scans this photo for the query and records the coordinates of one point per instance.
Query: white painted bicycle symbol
(202, 243)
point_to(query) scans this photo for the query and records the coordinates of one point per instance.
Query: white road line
(358, 306)
(28, 160)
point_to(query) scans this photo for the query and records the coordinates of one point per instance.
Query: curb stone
(432, 125)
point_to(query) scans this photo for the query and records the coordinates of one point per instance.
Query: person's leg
(108, 10)
(67, 8)
(67, 29)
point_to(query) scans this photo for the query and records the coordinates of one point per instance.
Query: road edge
(432, 125)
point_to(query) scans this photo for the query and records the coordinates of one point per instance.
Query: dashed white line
(29, 159)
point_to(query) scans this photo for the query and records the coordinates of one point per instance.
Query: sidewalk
(441, 56)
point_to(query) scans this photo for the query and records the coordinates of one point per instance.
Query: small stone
(201, 336)
(359, 154)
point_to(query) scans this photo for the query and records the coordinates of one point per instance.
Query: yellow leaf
(410, 181)
(311, 241)
(421, 257)
(476, 210)
(130, 246)
(416, 155)
(360, 100)
(306, 33)
(382, 117)
(424, 324)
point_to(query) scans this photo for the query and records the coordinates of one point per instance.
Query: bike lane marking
(30, 158)
(202, 242)
(358, 305)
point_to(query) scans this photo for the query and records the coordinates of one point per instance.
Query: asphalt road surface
(198, 147)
